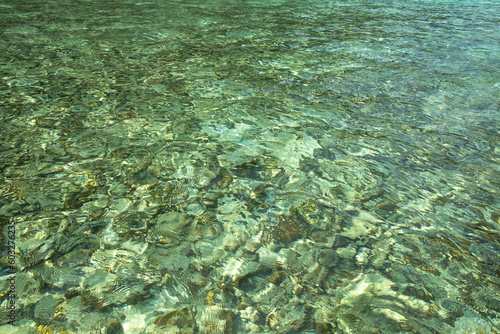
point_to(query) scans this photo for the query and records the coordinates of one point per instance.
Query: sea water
(250, 166)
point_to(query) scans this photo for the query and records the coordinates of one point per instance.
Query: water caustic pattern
(251, 166)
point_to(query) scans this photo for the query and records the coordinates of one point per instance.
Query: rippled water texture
(251, 166)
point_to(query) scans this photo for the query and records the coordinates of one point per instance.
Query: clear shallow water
(237, 167)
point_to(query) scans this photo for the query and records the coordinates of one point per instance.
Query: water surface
(251, 166)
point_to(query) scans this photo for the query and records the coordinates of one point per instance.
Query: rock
(182, 318)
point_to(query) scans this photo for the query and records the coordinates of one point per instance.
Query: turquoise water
(250, 166)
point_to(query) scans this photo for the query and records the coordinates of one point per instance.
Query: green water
(250, 166)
